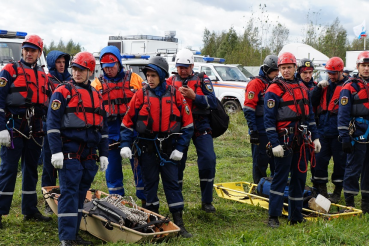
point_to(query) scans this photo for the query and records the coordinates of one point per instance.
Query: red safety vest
(117, 95)
(195, 84)
(158, 115)
(332, 105)
(294, 104)
(360, 104)
(84, 108)
(259, 110)
(27, 89)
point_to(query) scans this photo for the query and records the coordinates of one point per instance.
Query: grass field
(233, 224)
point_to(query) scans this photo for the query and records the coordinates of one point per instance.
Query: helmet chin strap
(88, 75)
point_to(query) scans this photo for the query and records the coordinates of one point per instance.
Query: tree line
(262, 37)
(71, 47)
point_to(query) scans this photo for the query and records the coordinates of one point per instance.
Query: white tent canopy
(305, 51)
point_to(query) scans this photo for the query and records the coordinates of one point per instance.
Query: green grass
(233, 223)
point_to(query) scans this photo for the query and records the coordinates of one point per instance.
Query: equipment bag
(265, 184)
(219, 119)
(107, 211)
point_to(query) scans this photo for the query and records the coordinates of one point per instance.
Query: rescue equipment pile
(114, 218)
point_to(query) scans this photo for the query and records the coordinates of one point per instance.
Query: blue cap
(29, 45)
(182, 65)
(108, 64)
(77, 65)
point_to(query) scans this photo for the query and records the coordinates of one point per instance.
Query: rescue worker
(57, 63)
(23, 96)
(346, 73)
(325, 97)
(289, 119)
(164, 123)
(353, 125)
(253, 110)
(305, 73)
(117, 87)
(199, 94)
(76, 127)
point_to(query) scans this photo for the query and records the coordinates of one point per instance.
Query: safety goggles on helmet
(182, 65)
(108, 60)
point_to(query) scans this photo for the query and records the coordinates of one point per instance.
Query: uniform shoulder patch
(344, 100)
(55, 105)
(3, 82)
(271, 103)
(207, 84)
(187, 109)
(251, 95)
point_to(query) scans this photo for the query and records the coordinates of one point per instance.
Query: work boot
(143, 203)
(294, 222)
(350, 201)
(336, 196)
(81, 241)
(37, 217)
(1, 223)
(365, 205)
(273, 222)
(66, 243)
(322, 188)
(208, 207)
(48, 210)
(177, 218)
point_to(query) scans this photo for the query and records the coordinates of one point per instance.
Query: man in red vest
(325, 98)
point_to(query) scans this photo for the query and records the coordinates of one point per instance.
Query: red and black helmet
(286, 58)
(34, 42)
(84, 60)
(335, 64)
(363, 57)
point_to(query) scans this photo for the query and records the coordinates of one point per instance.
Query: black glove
(254, 137)
(347, 148)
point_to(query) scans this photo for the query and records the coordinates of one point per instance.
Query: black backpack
(219, 119)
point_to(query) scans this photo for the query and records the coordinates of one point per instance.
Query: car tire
(231, 106)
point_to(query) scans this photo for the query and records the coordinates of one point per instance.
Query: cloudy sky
(90, 22)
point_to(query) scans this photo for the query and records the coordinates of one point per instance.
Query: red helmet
(335, 64)
(32, 41)
(84, 60)
(108, 58)
(363, 57)
(286, 58)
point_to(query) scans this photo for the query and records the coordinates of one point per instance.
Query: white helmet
(184, 57)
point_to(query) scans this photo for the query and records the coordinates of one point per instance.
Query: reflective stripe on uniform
(140, 188)
(207, 180)
(2, 110)
(122, 125)
(343, 128)
(351, 192)
(180, 181)
(295, 198)
(312, 123)
(277, 193)
(189, 125)
(53, 131)
(117, 188)
(337, 180)
(364, 191)
(68, 215)
(175, 204)
(80, 210)
(271, 129)
(154, 203)
(6, 193)
(319, 178)
(28, 192)
(104, 136)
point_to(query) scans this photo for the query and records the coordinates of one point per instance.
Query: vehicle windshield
(138, 69)
(10, 51)
(230, 73)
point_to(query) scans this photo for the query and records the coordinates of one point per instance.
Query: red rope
(303, 152)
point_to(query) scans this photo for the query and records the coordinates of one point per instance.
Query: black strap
(98, 111)
(289, 103)
(118, 101)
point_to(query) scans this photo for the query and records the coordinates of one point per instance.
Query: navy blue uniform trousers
(260, 159)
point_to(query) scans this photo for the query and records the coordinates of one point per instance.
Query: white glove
(103, 163)
(176, 155)
(5, 138)
(278, 151)
(126, 152)
(57, 160)
(317, 145)
(323, 83)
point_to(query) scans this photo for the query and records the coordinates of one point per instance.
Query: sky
(91, 22)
